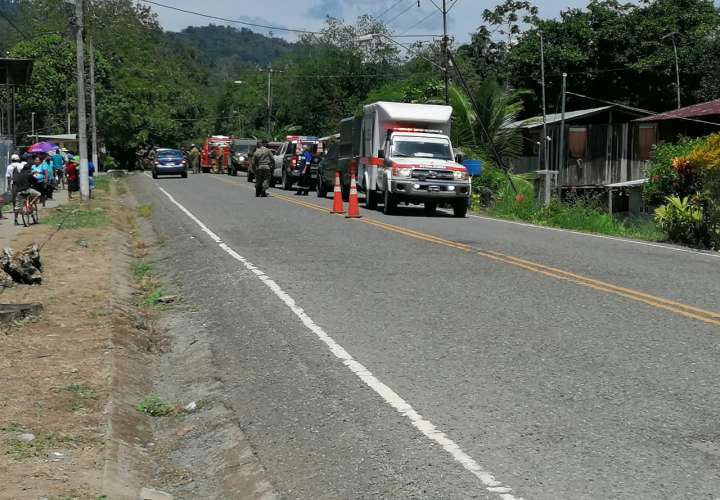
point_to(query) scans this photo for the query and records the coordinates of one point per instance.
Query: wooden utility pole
(93, 109)
(446, 61)
(544, 141)
(561, 147)
(82, 118)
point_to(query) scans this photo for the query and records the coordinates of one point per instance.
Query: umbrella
(42, 147)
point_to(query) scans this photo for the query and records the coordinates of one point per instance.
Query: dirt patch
(55, 365)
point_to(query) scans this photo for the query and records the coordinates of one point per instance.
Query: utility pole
(445, 52)
(677, 70)
(269, 102)
(82, 118)
(563, 156)
(544, 111)
(32, 125)
(67, 109)
(93, 109)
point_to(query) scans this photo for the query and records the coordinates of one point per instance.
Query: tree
(507, 17)
(489, 131)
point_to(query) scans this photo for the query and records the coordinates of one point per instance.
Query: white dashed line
(426, 427)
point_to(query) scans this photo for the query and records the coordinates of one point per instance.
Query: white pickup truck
(405, 155)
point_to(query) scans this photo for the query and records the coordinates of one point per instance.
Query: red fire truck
(210, 146)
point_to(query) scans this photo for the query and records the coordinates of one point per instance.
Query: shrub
(663, 177)
(682, 221)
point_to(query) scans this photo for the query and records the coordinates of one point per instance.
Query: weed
(82, 391)
(39, 447)
(77, 216)
(141, 270)
(154, 406)
(102, 183)
(13, 427)
(145, 210)
(153, 298)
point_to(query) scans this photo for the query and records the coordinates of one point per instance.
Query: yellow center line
(686, 310)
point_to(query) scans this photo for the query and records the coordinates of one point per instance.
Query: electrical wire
(434, 13)
(401, 13)
(234, 21)
(379, 16)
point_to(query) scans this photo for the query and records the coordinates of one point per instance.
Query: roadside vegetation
(684, 179)
(494, 196)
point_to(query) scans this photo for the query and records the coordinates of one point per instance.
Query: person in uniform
(262, 167)
(194, 157)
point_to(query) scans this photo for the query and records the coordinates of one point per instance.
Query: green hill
(232, 48)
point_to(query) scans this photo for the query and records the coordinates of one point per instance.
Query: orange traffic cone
(353, 205)
(337, 197)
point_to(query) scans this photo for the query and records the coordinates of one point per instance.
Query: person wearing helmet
(15, 165)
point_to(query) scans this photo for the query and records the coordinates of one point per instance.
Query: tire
(154, 175)
(390, 204)
(430, 207)
(460, 209)
(286, 183)
(184, 175)
(273, 181)
(321, 191)
(371, 199)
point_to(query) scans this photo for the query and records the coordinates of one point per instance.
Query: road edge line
(388, 395)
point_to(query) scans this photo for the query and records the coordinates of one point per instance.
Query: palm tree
(489, 131)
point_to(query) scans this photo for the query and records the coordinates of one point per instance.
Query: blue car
(169, 162)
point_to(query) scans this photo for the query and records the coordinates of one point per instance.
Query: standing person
(58, 162)
(73, 179)
(194, 157)
(91, 177)
(262, 167)
(15, 165)
(304, 183)
(39, 172)
(50, 177)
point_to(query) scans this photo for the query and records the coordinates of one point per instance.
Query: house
(691, 121)
(598, 147)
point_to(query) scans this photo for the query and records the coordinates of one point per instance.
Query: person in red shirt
(72, 176)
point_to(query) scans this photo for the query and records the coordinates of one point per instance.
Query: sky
(465, 16)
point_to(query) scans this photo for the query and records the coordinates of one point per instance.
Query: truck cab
(419, 167)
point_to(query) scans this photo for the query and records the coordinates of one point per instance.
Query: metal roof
(635, 183)
(537, 121)
(703, 109)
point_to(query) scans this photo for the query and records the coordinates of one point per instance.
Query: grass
(76, 216)
(39, 447)
(141, 270)
(579, 216)
(145, 210)
(102, 182)
(81, 391)
(153, 297)
(154, 406)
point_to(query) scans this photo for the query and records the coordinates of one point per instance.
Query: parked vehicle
(405, 155)
(241, 151)
(169, 162)
(210, 145)
(292, 162)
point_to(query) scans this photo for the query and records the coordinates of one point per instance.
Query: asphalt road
(564, 366)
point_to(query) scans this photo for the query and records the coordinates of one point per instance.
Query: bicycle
(28, 210)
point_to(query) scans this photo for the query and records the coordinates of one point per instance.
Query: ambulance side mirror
(459, 158)
(381, 153)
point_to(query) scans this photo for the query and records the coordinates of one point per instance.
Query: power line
(417, 24)
(401, 13)
(379, 16)
(234, 21)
